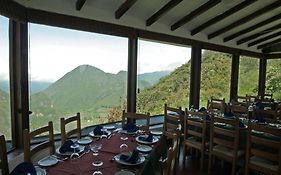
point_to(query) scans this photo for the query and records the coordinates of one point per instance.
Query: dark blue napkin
(260, 119)
(259, 105)
(98, 130)
(66, 147)
(149, 138)
(23, 169)
(228, 114)
(131, 159)
(202, 109)
(241, 125)
(208, 118)
(130, 127)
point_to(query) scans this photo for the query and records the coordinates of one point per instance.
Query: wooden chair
(238, 110)
(173, 117)
(241, 100)
(195, 133)
(136, 116)
(251, 98)
(269, 115)
(218, 104)
(29, 151)
(3, 156)
(170, 162)
(224, 143)
(67, 122)
(267, 97)
(263, 153)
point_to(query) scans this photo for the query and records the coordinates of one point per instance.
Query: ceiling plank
(258, 25)
(124, 8)
(269, 43)
(80, 4)
(222, 16)
(245, 19)
(254, 36)
(203, 8)
(162, 11)
(274, 48)
(264, 39)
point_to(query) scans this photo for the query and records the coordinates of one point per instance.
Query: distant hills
(35, 86)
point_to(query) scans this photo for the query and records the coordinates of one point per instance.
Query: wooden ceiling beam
(245, 19)
(264, 39)
(269, 43)
(162, 12)
(222, 16)
(256, 35)
(274, 48)
(80, 4)
(203, 8)
(124, 8)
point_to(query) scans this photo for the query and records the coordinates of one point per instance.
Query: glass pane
(273, 78)
(248, 76)
(5, 110)
(215, 76)
(73, 71)
(163, 77)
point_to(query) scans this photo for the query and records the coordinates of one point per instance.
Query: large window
(73, 71)
(248, 76)
(5, 110)
(163, 76)
(273, 78)
(215, 76)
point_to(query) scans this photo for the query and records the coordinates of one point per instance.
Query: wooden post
(262, 76)
(234, 77)
(195, 76)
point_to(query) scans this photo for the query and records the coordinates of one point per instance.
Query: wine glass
(96, 163)
(74, 155)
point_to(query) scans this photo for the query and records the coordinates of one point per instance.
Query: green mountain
(5, 120)
(215, 81)
(151, 78)
(35, 86)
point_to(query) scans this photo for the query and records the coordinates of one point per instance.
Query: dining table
(109, 149)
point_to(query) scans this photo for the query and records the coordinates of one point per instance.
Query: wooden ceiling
(252, 25)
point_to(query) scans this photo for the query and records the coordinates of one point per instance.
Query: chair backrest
(238, 110)
(266, 146)
(136, 116)
(170, 162)
(29, 151)
(173, 117)
(3, 156)
(216, 104)
(251, 98)
(268, 115)
(195, 127)
(267, 97)
(226, 135)
(67, 122)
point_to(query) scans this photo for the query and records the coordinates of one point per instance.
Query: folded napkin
(202, 109)
(66, 147)
(208, 118)
(259, 105)
(228, 114)
(98, 130)
(149, 138)
(260, 119)
(241, 125)
(130, 127)
(131, 159)
(23, 169)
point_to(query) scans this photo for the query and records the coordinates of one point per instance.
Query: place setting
(147, 139)
(70, 149)
(100, 132)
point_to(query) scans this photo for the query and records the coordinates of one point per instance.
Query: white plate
(85, 141)
(124, 172)
(109, 127)
(107, 133)
(154, 139)
(126, 132)
(48, 161)
(144, 148)
(80, 149)
(40, 171)
(157, 133)
(140, 160)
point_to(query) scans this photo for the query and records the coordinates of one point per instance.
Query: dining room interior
(140, 87)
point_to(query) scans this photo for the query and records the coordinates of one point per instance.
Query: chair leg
(233, 168)
(202, 160)
(210, 164)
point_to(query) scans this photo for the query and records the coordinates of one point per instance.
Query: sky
(55, 51)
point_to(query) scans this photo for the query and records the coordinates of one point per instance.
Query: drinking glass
(96, 163)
